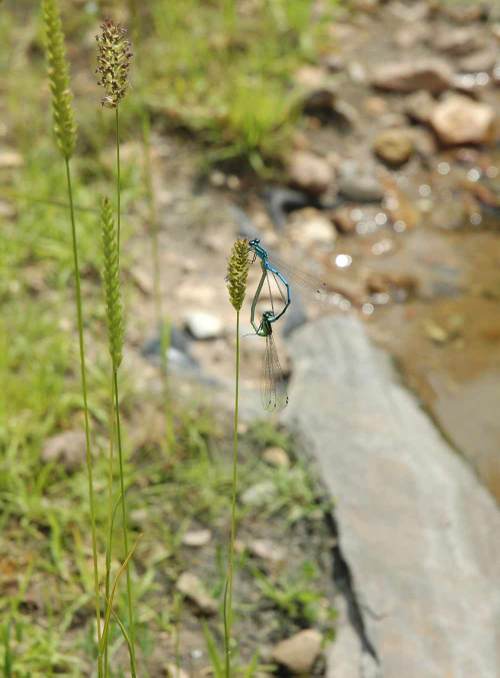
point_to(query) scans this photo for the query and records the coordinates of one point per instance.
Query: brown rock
(464, 14)
(399, 286)
(457, 41)
(411, 35)
(375, 105)
(424, 142)
(68, 448)
(318, 87)
(309, 172)
(299, 652)
(431, 75)
(192, 588)
(343, 220)
(459, 120)
(393, 146)
(334, 63)
(483, 61)
(267, 550)
(400, 208)
(496, 74)
(419, 106)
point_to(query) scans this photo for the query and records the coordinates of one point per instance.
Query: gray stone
(417, 530)
(259, 494)
(358, 182)
(345, 657)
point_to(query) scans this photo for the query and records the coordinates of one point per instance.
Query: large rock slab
(417, 530)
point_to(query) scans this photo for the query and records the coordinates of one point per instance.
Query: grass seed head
(237, 273)
(64, 119)
(111, 278)
(113, 62)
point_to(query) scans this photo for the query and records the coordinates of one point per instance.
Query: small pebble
(276, 456)
(197, 538)
(202, 325)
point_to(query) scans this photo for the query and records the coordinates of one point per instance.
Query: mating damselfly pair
(275, 280)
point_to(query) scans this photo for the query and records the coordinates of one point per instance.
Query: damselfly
(279, 278)
(276, 283)
(273, 385)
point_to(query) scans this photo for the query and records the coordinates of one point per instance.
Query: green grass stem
(228, 591)
(83, 374)
(124, 520)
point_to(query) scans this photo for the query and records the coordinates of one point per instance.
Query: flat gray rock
(417, 530)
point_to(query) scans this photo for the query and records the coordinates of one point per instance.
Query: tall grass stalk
(237, 282)
(65, 134)
(113, 64)
(111, 512)
(114, 314)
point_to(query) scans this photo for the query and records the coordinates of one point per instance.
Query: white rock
(203, 325)
(299, 652)
(197, 538)
(460, 120)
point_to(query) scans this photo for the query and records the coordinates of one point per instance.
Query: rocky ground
(389, 194)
